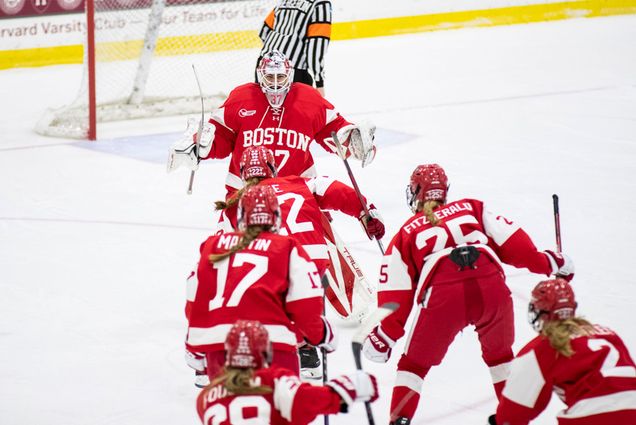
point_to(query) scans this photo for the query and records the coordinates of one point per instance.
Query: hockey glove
(330, 339)
(196, 361)
(377, 346)
(359, 140)
(562, 265)
(373, 223)
(183, 151)
(357, 386)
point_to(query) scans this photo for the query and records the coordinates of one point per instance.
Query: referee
(301, 30)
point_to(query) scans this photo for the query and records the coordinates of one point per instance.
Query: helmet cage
(275, 76)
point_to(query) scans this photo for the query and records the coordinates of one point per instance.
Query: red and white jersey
(246, 119)
(597, 383)
(301, 201)
(291, 402)
(272, 281)
(415, 253)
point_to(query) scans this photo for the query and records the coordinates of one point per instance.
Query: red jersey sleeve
(304, 301)
(512, 244)
(398, 281)
(299, 402)
(332, 194)
(528, 388)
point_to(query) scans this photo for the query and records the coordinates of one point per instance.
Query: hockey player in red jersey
(286, 117)
(248, 390)
(447, 259)
(255, 274)
(586, 365)
(301, 201)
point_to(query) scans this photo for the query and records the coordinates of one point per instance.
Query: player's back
(216, 406)
(250, 284)
(599, 366)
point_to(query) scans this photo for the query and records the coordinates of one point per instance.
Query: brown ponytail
(248, 236)
(428, 207)
(560, 333)
(233, 200)
(239, 381)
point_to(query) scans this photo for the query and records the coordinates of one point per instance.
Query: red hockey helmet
(259, 206)
(552, 299)
(247, 345)
(257, 161)
(275, 76)
(428, 183)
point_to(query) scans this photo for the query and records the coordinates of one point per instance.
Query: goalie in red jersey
(586, 365)
(447, 259)
(255, 274)
(248, 390)
(283, 116)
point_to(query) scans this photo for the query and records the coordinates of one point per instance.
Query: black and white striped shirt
(301, 30)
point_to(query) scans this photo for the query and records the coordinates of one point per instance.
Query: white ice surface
(96, 239)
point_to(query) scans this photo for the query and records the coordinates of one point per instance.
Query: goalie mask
(257, 161)
(275, 76)
(551, 300)
(258, 206)
(247, 346)
(428, 183)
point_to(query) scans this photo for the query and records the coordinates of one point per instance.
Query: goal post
(138, 59)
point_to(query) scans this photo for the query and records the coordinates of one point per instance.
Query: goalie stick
(358, 339)
(196, 146)
(341, 154)
(557, 221)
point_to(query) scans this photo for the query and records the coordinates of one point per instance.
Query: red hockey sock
(403, 403)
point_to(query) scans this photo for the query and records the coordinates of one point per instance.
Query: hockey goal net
(143, 56)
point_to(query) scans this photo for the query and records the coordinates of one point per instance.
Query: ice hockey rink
(96, 239)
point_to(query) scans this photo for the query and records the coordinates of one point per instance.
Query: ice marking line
(116, 223)
(52, 145)
(487, 100)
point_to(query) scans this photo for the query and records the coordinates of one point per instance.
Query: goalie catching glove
(358, 140)
(184, 152)
(373, 223)
(357, 386)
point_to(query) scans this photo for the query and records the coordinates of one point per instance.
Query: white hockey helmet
(275, 76)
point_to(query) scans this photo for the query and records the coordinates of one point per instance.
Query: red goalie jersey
(246, 119)
(420, 250)
(272, 280)
(597, 383)
(301, 201)
(291, 402)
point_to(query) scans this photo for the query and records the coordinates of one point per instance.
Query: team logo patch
(11, 7)
(245, 113)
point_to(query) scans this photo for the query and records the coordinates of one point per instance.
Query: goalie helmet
(551, 300)
(257, 161)
(258, 206)
(247, 345)
(428, 183)
(275, 76)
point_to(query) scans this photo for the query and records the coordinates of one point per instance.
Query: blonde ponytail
(427, 208)
(239, 381)
(561, 332)
(251, 233)
(233, 200)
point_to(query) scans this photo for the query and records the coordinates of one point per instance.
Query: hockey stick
(341, 154)
(557, 221)
(325, 283)
(198, 142)
(358, 339)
